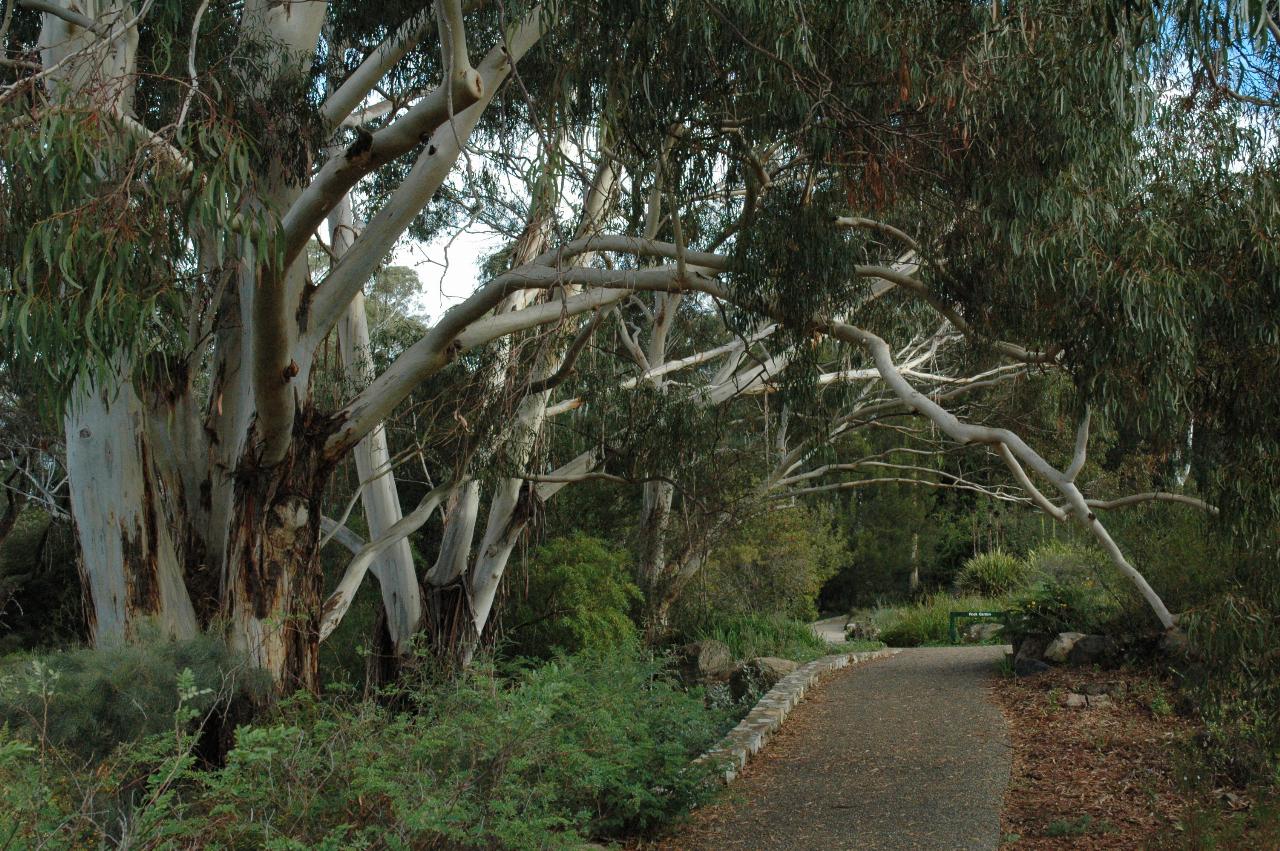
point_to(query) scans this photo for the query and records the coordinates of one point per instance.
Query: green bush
(993, 574)
(87, 701)
(1075, 590)
(775, 563)
(40, 603)
(1234, 683)
(749, 636)
(926, 622)
(589, 746)
(577, 597)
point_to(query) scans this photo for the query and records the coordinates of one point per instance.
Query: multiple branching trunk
(197, 491)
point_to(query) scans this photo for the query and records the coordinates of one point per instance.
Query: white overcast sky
(444, 285)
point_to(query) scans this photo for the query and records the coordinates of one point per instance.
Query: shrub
(1075, 590)
(774, 563)
(926, 622)
(749, 636)
(595, 746)
(993, 574)
(87, 701)
(1235, 686)
(578, 595)
(40, 603)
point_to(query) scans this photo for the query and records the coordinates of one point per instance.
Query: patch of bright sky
(448, 268)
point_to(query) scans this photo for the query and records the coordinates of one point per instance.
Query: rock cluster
(1037, 652)
(710, 663)
(704, 661)
(756, 676)
(858, 631)
(979, 632)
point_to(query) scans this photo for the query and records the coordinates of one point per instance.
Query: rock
(980, 632)
(858, 631)
(1060, 647)
(1093, 650)
(1027, 661)
(1023, 667)
(1032, 647)
(704, 660)
(759, 675)
(1174, 643)
(1075, 700)
(1114, 689)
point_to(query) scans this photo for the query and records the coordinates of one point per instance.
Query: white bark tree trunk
(393, 568)
(129, 561)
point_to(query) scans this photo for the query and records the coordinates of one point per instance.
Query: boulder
(703, 661)
(980, 632)
(1028, 660)
(759, 675)
(1024, 667)
(1060, 647)
(1174, 643)
(1093, 650)
(1032, 647)
(858, 631)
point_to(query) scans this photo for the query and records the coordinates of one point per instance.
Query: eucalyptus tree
(166, 166)
(161, 280)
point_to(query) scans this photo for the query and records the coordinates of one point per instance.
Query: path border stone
(766, 717)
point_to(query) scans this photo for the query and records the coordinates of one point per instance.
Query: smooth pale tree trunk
(914, 582)
(210, 518)
(379, 496)
(656, 504)
(129, 563)
(462, 600)
(446, 603)
(460, 588)
(508, 517)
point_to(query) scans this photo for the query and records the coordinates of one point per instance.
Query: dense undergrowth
(749, 636)
(571, 730)
(593, 745)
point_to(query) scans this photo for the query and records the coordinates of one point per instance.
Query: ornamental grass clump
(993, 574)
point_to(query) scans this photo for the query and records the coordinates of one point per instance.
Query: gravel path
(830, 630)
(902, 753)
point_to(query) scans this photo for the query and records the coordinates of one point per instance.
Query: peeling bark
(275, 581)
(129, 563)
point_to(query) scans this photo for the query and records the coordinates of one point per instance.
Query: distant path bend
(901, 753)
(830, 630)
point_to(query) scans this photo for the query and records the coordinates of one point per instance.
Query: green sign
(956, 616)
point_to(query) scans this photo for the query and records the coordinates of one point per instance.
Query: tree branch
(872, 224)
(1081, 450)
(335, 531)
(1156, 496)
(340, 600)
(453, 107)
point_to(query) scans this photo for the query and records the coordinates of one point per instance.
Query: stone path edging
(765, 718)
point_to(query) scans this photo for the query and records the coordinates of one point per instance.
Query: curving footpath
(899, 753)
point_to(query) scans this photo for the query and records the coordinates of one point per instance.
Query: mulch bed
(1104, 776)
